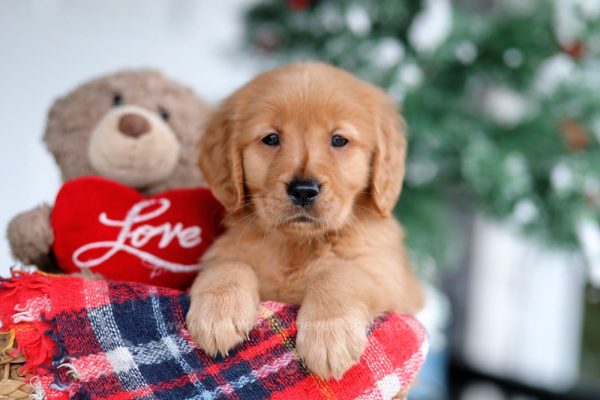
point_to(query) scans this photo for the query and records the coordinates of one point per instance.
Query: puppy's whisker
(266, 233)
(234, 210)
(356, 224)
(250, 215)
(244, 205)
(370, 210)
(253, 186)
(360, 222)
(247, 221)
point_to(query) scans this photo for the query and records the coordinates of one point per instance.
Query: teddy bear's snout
(134, 146)
(133, 125)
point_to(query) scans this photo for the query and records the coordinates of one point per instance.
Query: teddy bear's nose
(133, 125)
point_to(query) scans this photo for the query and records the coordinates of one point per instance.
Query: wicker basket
(12, 385)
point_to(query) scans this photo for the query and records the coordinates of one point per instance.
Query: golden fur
(343, 258)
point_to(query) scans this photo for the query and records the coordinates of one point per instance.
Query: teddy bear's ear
(220, 158)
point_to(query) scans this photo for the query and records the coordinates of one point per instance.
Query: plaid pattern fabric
(95, 339)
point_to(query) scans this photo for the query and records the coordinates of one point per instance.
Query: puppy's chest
(283, 276)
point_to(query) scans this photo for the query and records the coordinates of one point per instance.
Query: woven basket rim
(13, 384)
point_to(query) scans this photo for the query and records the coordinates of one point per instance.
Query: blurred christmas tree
(502, 102)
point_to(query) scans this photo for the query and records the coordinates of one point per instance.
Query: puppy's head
(304, 147)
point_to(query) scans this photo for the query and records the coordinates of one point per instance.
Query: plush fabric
(102, 225)
(30, 236)
(96, 339)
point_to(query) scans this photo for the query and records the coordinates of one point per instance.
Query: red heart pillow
(120, 234)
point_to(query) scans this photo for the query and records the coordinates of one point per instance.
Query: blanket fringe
(22, 281)
(37, 392)
(71, 371)
(26, 314)
(18, 316)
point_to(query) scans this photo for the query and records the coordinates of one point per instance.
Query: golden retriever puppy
(309, 162)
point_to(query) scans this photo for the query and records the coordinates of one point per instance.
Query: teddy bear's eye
(164, 114)
(117, 100)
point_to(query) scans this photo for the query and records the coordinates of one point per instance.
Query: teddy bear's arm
(30, 237)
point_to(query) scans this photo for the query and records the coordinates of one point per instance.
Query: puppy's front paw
(329, 347)
(219, 320)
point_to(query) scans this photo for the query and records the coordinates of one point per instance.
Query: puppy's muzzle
(303, 192)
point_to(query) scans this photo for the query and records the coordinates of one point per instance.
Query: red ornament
(575, 49)
(299, 5)
(574, 135)
(111, 229)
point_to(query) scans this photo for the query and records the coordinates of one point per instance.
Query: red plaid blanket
(94, 339)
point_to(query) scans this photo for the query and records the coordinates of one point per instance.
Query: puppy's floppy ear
(387, 171)
(220, 158)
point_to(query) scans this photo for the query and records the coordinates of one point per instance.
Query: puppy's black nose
(303, 192)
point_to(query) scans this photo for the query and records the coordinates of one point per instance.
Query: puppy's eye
(164, 114)
(271, 139)
(117, 100)
(338, 141)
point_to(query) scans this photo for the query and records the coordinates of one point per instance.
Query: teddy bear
(136, 127)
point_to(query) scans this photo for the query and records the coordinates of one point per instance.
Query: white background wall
(49, 46)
